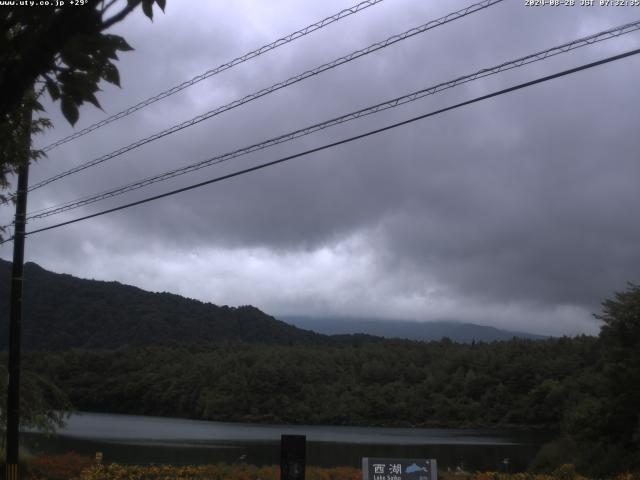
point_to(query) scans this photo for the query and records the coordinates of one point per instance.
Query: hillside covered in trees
(62, 311)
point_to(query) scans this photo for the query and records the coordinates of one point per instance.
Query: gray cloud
(516, 212)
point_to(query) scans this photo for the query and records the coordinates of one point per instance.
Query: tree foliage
(42, 404)
(65, 51)
(620, 338)
(15, 134)
(606, 425)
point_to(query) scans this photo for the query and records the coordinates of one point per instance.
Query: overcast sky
(519, 212)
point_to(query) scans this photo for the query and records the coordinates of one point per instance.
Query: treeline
(520, 382)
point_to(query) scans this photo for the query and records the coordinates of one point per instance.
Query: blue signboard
(399, 469)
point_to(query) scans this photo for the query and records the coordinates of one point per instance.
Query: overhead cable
(341, 142)
(395, 102)
(214, 71)
(265, 91)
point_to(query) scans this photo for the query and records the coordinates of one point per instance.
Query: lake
(144, 440)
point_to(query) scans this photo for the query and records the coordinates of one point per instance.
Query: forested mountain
(423, 331)
(62, 311)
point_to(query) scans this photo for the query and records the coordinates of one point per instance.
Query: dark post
(15, 313)
(292, 457)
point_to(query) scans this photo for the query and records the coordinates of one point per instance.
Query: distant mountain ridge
(411, 330)
(62, 312)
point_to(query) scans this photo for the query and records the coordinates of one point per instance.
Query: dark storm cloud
(515, 207)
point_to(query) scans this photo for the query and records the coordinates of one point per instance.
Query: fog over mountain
(424, 331)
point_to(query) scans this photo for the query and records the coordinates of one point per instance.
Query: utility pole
(15, 313)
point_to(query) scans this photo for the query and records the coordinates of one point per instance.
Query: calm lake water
(143, 440)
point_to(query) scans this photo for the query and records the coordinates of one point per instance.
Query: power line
(346, 140)
(214, 71)
(535, 57)
(292, 80)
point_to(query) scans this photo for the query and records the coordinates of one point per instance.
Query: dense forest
(390, 383)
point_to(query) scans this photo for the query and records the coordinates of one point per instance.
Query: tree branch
(118, 17)
(107, 6)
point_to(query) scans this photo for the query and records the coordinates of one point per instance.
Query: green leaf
(147, 8)
(77, 85)
(102, 47)
(69, 110)
(118, 42)
(76, 56)
(123, 45)
(161, 4)
(91, 98)
(111, 74)
(54, 91)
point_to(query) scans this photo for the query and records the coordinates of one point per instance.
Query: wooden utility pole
(15, 312)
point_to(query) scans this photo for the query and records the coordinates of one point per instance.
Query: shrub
(58, 467)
